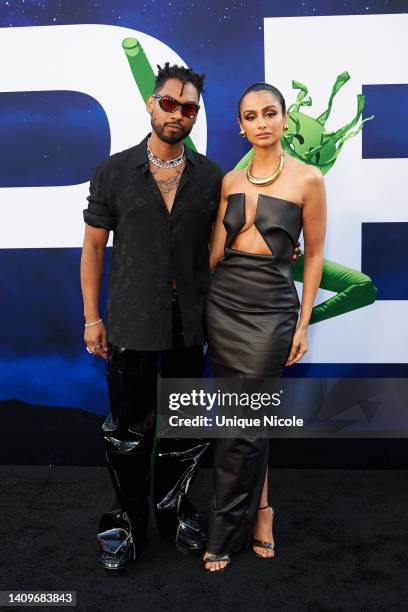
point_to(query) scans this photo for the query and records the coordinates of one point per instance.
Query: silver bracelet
(94, 323)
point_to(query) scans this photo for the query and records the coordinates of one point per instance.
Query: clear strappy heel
(261, 543)
(212, 558)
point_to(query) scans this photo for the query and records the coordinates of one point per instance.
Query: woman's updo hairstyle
(263, 87)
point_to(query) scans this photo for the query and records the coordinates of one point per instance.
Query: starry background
(224, 39)
(43, 359)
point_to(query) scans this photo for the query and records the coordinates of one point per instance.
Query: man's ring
(91, 350)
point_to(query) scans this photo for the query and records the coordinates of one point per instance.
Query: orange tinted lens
(168, 104)
(189, 110)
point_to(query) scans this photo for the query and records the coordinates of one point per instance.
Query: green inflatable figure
(306, 137)
(307, 140)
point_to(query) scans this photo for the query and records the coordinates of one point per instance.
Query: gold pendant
(266, 180)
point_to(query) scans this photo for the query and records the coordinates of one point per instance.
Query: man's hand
(96, 340)
(296, 253)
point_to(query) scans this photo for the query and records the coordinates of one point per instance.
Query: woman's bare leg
(263, 522)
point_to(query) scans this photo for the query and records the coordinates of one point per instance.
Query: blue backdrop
(58, 137)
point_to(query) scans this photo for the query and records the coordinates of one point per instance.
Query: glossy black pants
(128, 434)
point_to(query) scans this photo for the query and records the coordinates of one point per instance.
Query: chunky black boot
(176, 464)
(122, 532)
(128, 439)
(116, 539)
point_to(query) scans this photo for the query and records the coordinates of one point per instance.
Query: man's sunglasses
(169, 105)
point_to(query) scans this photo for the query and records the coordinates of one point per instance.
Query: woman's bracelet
(94, 323)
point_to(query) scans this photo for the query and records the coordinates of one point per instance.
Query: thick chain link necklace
(166, 163)
(265, 180)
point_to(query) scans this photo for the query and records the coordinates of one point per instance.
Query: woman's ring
(91, 350)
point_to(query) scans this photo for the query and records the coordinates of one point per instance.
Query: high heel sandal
(212, 558)
(260, 543)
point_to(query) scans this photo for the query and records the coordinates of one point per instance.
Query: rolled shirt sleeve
(100, 212)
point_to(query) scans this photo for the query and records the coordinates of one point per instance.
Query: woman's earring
(242, 133)
(286, 127)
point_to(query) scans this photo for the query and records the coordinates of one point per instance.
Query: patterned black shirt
(151, 246)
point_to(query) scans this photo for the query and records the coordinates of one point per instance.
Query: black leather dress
(251, 316)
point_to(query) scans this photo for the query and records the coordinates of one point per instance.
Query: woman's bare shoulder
(310, 179)
(313, 185)
(308, 172)
(232, 180)
(234, 176)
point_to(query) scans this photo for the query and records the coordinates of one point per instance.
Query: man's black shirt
(151, 246)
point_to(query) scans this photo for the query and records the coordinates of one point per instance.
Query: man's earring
(242, 133)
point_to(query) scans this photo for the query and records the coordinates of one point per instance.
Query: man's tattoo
(168, 184)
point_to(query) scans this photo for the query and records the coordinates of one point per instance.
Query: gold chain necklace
(265, 180)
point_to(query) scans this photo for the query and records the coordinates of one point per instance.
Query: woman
(253, 324)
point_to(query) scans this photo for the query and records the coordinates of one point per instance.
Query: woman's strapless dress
(251, 316)
(252, 304)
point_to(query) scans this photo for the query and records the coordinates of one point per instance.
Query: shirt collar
(141, 158)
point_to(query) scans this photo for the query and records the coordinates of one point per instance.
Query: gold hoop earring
(242, 133)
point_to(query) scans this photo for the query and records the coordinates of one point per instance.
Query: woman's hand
(299, 346)
(96, 340)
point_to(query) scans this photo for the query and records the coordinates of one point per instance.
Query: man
(160, 199)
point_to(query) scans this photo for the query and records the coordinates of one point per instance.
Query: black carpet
(341, 536)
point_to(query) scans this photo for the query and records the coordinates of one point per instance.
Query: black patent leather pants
(128, 434)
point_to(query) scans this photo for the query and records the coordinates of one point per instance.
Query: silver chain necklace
(163, 163)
